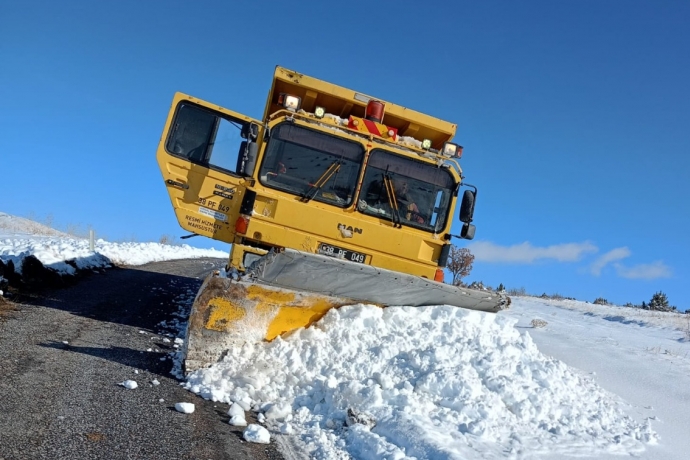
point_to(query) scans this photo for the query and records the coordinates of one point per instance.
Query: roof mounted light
(292, 103)
(426, 144)
(451, 150)
(319, 112)
(374, 111)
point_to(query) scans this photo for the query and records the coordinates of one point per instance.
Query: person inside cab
(406, 204)
(407, 208)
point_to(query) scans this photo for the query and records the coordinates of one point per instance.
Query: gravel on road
(64, 353)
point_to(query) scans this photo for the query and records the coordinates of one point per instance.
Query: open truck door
(205, 153)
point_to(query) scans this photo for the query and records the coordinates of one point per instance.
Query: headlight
(290, 102)
(319, 112)
(451, 150)
(426, 144)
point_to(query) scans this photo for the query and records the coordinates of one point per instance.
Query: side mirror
(467, 206)
(252, 155)
(246, 158)
(250, 131)
(467, 231)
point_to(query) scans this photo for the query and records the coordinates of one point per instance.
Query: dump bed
(344, 102)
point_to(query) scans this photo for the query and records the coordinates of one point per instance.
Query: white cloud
(644, 271)
(525, 253)
(605, 259)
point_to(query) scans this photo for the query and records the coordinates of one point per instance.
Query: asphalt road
(63, 353)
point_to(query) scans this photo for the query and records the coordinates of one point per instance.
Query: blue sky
(574, 115)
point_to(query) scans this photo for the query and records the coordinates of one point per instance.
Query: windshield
(312, 165)
(421, 193)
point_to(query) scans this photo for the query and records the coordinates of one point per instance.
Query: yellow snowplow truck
(333, 198)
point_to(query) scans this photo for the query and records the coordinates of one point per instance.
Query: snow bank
(432, 382)
(53, 252)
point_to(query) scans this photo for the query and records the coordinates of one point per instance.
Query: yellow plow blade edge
(227, 313)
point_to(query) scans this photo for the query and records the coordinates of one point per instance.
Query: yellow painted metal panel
(345, 102)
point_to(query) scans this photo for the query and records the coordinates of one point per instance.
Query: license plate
(340, 253)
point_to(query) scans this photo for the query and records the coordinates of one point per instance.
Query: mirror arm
(471, 186)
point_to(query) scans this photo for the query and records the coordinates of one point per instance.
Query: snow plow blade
(288, 290)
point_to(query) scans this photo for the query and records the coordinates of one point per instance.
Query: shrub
(659, 302)
(601, 301)
(555, 296)
(517, 291)
(536, 323)
(478, 285)
(167, 239)
(459, 263)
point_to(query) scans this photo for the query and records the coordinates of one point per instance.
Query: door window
(205, 138)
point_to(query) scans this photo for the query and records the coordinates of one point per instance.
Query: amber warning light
(374, 111)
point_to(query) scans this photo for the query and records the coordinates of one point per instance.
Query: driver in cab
(406, 203)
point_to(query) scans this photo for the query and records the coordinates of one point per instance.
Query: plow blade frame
(315, 273)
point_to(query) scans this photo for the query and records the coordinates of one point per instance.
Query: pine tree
(501, 288)
(659, 302)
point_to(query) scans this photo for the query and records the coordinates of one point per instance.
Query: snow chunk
(185, 408)
(257, 433)
(278, 412)
(236, 414)
(129, 384)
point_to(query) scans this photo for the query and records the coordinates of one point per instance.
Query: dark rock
(35, 274)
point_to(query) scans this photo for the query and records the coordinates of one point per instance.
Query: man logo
(349, 228)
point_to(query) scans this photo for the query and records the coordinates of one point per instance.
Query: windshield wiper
(321, 181)
(392, 201)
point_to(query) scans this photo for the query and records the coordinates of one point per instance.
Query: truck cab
(326, 171)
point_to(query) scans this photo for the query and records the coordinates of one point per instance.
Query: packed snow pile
(53, 252)
(21, 238)
(431, 382)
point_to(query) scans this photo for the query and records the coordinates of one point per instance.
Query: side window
(206, 138)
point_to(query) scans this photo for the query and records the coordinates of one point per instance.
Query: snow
(54, 251)
(236, 414)
(437, 382)
(129, 384)
(184, 407)
(546, 379)
(257, 433)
